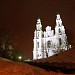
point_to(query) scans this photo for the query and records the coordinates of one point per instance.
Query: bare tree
(6, 43)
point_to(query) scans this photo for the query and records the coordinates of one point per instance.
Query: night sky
(20, 17)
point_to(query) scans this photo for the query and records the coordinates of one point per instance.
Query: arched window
(59, 31)
(48, 44)
(38, 55)
(37, 34)
(38, 44)
(60, 41)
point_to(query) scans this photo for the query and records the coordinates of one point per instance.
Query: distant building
(48, 43)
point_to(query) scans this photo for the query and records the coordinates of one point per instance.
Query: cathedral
(50, 42)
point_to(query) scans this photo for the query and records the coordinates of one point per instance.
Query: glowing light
(28, 60)
(20, 57)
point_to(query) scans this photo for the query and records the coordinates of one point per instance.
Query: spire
(38, 20)
(57, 13)
(38, 17)
(58, 20)
(38, 24)
(58, 16)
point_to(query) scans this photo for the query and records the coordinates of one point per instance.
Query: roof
(66, 56)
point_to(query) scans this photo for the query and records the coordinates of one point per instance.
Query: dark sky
(20, 17)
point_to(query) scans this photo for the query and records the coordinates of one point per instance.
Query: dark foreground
(66, 68)
(8, 67)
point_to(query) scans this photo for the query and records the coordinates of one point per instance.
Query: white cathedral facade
(49, 42)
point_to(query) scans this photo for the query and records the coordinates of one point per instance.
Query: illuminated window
(48, 44)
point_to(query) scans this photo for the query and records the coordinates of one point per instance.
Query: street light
(20, 58)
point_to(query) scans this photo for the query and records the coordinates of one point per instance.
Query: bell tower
(60, 33)
(59, 29)
(38, 41)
